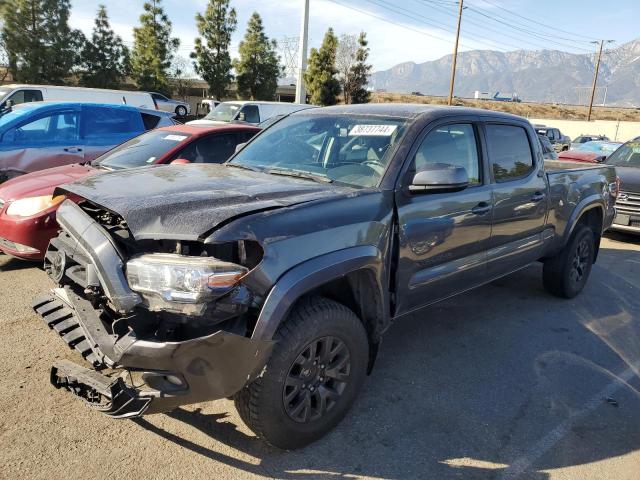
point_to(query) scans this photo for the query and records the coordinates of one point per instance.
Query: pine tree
(41, 46)
(153, 49)
(258, 69)
(211, 55)
(104, 57)
(359, 74)
(320, 78)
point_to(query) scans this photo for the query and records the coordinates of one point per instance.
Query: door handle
(481, 208)
(538, 196)
(72, 149)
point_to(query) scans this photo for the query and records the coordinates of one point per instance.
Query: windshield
(142, 150)
(8, 115)
(349, 149)
(225, 112)
(628, 155)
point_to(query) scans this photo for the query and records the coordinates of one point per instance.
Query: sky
(402, 30)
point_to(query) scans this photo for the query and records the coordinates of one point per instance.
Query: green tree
(320, 78)
(104, 57)
(153, 49)
(211, 55)
(358, 76)
(41, 46)
(258, 69)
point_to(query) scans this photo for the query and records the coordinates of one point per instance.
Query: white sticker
(635, 149)
(175, 138)
(151, 159)
(373, 130)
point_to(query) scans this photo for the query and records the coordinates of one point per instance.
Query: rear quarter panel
(575, 188)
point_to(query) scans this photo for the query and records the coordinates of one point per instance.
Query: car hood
(630, 177)
(186, 202)
(43, 182)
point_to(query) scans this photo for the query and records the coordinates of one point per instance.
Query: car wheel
(566, 274)
(312, 378)
(181, 111)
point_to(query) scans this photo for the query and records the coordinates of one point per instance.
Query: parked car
(587, 138)
(548, 152)
(181, 109)
(252, 113)
(581, 156)
(271, 278)
(11, 95)
(28, 203)
(35, 136)
(603, 147)
(626, 160)
(559, 141)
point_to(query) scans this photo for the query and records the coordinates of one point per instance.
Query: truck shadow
(503, 382)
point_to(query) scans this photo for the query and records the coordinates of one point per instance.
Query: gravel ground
(503, 382)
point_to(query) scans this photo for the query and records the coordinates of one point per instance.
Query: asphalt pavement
(501, 383)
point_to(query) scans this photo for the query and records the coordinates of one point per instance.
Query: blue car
(39, 135)
(598, 146)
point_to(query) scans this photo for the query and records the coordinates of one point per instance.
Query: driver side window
(451, 145)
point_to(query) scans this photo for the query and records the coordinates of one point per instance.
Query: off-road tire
(181, 111)
(261, 404)
(560, 273)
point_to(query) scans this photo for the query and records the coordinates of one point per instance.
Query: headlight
(26, 207)
(182, 279)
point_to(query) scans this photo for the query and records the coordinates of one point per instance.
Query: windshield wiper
(295, 173)
(244, 167)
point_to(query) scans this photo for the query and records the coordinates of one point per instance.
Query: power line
(554, 28)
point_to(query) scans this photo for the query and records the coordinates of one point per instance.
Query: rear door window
(109, 126)
(509, 152)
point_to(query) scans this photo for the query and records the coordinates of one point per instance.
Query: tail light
(614, 188)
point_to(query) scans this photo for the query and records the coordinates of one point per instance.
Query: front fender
(310, 275)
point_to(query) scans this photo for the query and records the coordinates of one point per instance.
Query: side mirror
(9, 103)
(180, 161)
(240, 146)
(439, 177)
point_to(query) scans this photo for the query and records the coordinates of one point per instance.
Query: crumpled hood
(42, 182)
(183, 202)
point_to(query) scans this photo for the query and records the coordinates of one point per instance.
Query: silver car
(181, 109)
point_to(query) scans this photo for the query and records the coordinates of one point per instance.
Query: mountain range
(536, 76)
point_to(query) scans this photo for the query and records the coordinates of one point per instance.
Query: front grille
(628, 203)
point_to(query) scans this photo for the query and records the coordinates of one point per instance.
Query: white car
(249, 112)
(181, 109)
(17, 94)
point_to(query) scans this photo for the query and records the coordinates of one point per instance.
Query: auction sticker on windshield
(373, 130)
(175, 138)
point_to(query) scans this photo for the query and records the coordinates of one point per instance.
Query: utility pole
(455, 54)
(595, 77)
(301, 94)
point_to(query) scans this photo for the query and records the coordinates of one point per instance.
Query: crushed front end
(159, 323)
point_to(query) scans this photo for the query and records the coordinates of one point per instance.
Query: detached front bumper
(145, 376)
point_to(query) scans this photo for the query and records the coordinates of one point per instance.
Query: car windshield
(225, 112)
(348, 149)
(8, 115)
(628, 155)
(142, 150)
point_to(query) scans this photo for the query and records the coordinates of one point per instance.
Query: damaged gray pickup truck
(271, 278)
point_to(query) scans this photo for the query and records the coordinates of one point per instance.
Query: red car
(28, 207)
(581, 156)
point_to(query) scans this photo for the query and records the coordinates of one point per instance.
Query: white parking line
(524, 463)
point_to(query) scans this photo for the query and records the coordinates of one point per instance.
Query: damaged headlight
(182, 279)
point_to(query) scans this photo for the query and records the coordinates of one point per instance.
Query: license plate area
(622, 219)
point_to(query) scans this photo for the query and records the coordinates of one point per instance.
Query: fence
(615, 130)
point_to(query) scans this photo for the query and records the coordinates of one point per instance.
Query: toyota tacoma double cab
(272, 278)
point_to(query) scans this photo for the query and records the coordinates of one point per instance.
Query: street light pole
(455, 54)
(301, 95)
(595, 76)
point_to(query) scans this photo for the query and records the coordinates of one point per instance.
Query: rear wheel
(566, 274)
(181, 111)
(312, 378)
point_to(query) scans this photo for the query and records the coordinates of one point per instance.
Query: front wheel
(566, 274)
(312, 378)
